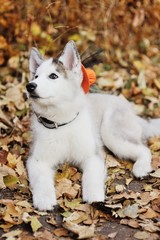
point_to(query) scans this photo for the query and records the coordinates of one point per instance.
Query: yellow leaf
(72, 204)
(35, 223)
(12, 160)
(138, 65)
(128, 180)
(155, 146)
(33, 220)
(147, 188)
(4, 171)
(10, 180)
(35, 29)
(157, 83)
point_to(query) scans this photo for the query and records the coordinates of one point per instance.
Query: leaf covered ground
(129, 33)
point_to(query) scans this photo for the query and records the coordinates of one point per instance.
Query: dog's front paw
(44, 202)
(141, 169)
(94, 196)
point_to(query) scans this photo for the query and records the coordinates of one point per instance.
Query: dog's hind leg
(122, 135)
(93, 179)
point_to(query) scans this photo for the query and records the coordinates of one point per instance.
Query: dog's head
(52, 81)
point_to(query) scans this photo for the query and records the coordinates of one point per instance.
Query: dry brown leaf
(15, 95)
(45, 235)
(145, 198)
(51, 221)
(82, 231)
(142, 235)
(156, 173)
(76, 217)
(149, 226)
(12, 234)
(112, 235)
(150, 213)
(130, 222)
(66, 187)
(3, 42)
(5, 119)
(61, 232)
(112, 161)
(155, 162)
(156, 205)
(3, 156)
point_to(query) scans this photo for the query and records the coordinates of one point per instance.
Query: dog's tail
(150, 127)
(92, 56)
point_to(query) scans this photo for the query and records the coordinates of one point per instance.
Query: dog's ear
(70, 57)
(35, 60)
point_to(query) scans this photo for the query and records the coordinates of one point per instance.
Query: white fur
(102, 120)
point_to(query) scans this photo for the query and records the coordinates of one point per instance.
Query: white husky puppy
(69, 125)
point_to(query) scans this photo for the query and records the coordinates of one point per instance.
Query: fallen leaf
(156, 173)
(129, 211)
(112, 235)
(130, 222)
(150, 213)
(149, 226)
(61, 232)
(10, 180)
(66, 187)
(4, 171)
(76, 217)
(128, 180)
(111, 161)
(51, 221)
(156, 205)
(142, 235)
(82, 231)
(33, 220)
(73, 203)
(3, 42)
(45, 235)
(10, 235)
(147, 188)
(119, 188)
(157, 83)
(3, 156)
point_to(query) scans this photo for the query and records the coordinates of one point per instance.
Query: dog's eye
(53, 76)
(36, 76)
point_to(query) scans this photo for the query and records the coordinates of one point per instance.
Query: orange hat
(89, 77)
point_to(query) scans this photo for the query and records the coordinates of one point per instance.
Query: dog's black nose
(31, 87)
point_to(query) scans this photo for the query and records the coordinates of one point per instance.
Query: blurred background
(128, 31)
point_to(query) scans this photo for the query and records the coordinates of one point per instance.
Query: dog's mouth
(33, 95)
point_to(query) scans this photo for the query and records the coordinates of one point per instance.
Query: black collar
(50, 124)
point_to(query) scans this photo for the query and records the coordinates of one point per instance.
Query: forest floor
(132, 207)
